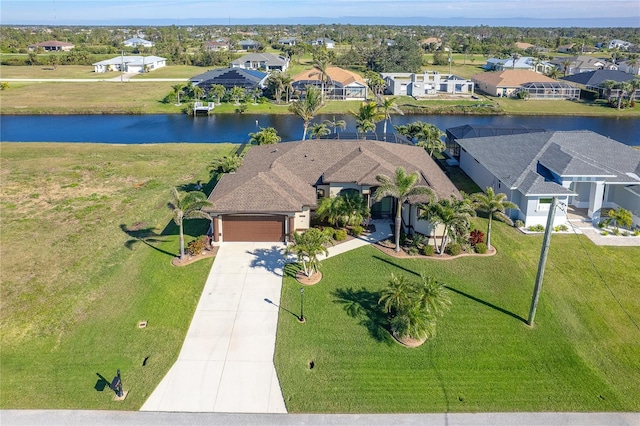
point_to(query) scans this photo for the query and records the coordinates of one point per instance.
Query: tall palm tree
(287, 84)
(318, 130)
(396, 295)
(308, 107)
(217, 91)
(335, 125)
(321, 64)
(401, 187)
(276, 84)
(565, 65)
(429, 138)
(266, 136)
(308, 246)
(238, 93)
(495, 205)
(608, 86)
(345, 209)
(452, 213)
(387, 106)
(177, 89)
(367, 117)
(187, 206)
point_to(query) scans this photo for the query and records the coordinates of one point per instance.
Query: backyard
(583, 353)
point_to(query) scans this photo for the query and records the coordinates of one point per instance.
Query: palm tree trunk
(304, 127)
(398, 225)
(445, 234)
(384, 129)
(181, 241)
(489, 232)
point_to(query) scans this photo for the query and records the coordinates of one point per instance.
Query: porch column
(596, 195)
(289, 228)
(216, 229)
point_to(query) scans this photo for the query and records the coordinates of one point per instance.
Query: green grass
(583, 354)
(75, 284)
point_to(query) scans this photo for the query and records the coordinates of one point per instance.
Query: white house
(582, 168)
(130, 64)
(261, 61)
(137, 41)
(326, 42)
(426, 83)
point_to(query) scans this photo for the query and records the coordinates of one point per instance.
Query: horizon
(513, 13)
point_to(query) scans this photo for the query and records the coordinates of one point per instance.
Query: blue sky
(184, 12)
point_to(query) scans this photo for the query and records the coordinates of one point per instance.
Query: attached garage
(253, 228)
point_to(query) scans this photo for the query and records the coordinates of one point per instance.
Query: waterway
(235, 128)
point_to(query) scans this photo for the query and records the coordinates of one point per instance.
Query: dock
(200, 108)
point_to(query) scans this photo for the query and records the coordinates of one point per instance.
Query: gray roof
(230, 77)
(282, 177)
(268, 58)
(596, 78)
(528, 162)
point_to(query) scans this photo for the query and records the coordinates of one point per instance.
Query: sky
(191, 12)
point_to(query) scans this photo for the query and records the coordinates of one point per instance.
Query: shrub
(481, 248)
(636, 233)
(340, 235)
(518, 223)
(616, 231)
(561, 228)
(428, 250)
(476, 237)
(604, 233)
(453, 249)
(601, 224)
(536, 228)
(357, 230)
(196, 246)
(413, 251)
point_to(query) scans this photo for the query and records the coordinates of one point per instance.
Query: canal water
(235, 128)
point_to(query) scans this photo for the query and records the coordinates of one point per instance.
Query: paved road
(110, 418)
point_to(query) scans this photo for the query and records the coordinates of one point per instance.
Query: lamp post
(301, 319)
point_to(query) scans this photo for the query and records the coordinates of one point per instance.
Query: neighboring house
(248, 44)
(578, 64)
(506, 83)
(432, 42)
(524, 46)
(230, 77)
(218, 45)
(261, 61)
(130, 64)
(277, 189)
(566, 48)
(326, 42)
(426, 83)
(290, 41)
(475, 131)
(593, 81)
(137, 42)
(342, 84)
(620, 44)
(630, 67)
(582, 168)
(52, 46)
(523, 63)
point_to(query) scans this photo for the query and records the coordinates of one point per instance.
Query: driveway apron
(226, 361)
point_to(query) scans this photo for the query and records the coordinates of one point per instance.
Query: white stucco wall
(302, 219)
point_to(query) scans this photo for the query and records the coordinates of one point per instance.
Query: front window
(544, 203)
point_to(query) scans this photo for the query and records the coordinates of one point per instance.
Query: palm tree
(608, 86)
(226, 164)
(275, 84)
(495, 205)
(238, 93)
(452, 213)
(565, 65)
(217, 91)
(386, 106)
(266, 136)
(198, 92)
(620, 217)
(318, 130)
(335, 125)
(553, 72)
(287, 84)
(308, 246)
(187, 206)
(401, 187)
(177, 89)
(345, 209)
(321, 64)
(308, 107)
(429, 138)
(433, 296)
(367, 117)
(396, 295)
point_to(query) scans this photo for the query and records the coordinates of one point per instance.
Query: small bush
(536, 228)
(413, 251)
(481, 248)
(357, 230)
(476, 237)
(428, 250)
(453, 249)
(196, 246)
(561, 228)
(518, 224)
(604, 233)
(601, 224)
(340, 235)
(616, 231)
(636, 233)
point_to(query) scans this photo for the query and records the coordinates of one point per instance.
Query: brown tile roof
(511, 78)
(339, 75)
(282, 177)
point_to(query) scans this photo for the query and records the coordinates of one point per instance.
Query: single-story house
(289, 41)
(130, 64)
(620, 44)
(343, 84)
(138, 42)
(522, 63)
(426, 83)
(582, 168)
(218, 45)
(593, 80)
(230, 77)
(566, 48)
(248, 44)
(261, 61)
(52, 46)
(506, 83)
(277, 188)
(326, 42)
(477, 131)
(579, 64)
(431, 42)
(630, 67)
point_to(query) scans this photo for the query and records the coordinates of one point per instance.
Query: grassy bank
(86, 246)
(583, 354)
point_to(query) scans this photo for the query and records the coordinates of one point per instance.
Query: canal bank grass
(583, 354)
(86, 248)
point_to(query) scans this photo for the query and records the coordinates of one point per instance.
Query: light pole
(301, 319)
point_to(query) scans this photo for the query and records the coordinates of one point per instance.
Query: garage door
(253, 228)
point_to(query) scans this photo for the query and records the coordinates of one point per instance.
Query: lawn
(583, 354)
(86, 249)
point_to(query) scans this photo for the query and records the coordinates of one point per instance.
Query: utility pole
(543, 260)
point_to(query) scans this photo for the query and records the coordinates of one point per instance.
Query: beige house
(339, 83)
(506, 83)
(277, 189)
(52, 46)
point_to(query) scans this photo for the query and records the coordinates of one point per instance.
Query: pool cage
(549, 90)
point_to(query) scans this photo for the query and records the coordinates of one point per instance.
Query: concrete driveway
(226, 361)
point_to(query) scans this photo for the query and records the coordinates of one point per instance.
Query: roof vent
(305, 156)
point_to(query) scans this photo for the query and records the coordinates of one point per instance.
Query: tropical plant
(238, 93)
(198, 92)
(619, 217)
(367, 116)
(335, 125)
(386, 106)
(396, 295)
(308, 107)
(401, 187)
(187, 206)
(476, 237)
(266, 136)
(275, 83)
(452, 213)
(177, 90)
(345, 209)
(494, 205)
(226, 164)
(375, 82)
(321, 64)
(308, 246)
(317, 130)
(217, 91)
(423, 134)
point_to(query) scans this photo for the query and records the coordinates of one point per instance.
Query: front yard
(583, 354)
